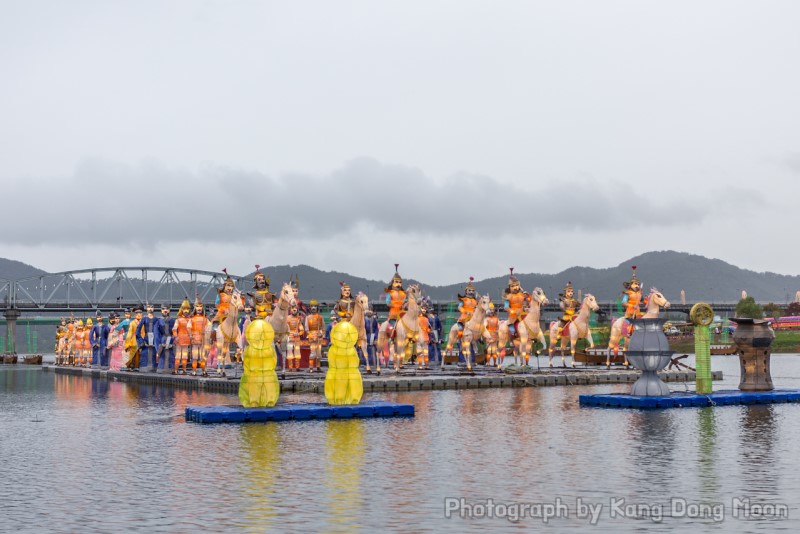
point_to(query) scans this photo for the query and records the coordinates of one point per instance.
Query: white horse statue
(471, 333)
(529, 328)
(578, 328)
(406, 331)
(279, 317)
(228, 333)
(655, 301)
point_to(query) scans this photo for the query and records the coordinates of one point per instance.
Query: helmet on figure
(259, 280)
(633, 284)
(313, 306)
(397, 280)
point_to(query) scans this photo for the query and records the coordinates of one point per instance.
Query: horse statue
(655, 301)
(471, 333)
(528, 328)
(362, 305)
(279, 317)
(227, 332)
(406, 330)
(578, 328)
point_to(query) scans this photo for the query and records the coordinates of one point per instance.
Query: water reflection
(344, 448)
(756, 441)
(707, 453)
(259, 464)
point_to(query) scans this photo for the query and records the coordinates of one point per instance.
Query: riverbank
(407, 380)
(786, 341)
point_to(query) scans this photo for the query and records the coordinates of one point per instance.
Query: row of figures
(411, 333)
(522, 328)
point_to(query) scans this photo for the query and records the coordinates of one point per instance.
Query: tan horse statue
(406, 331)
(655, 301)
(228, 333)
(578, 328)
(362, 305)
(279, 317)
(472, 331)
(529, 328)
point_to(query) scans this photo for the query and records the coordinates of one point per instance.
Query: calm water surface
(90, 455)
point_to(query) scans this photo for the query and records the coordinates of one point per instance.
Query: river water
(82, 454)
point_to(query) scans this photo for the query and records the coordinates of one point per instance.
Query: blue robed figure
(98, 338)
(145, 338)
(165, 351)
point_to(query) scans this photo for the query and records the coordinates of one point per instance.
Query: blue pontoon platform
(686, 400)
(297, 412)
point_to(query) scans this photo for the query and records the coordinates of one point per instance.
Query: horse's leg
(523, 343)
(222, 353)
(553, 344)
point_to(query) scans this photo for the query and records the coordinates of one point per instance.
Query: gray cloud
(107, 202)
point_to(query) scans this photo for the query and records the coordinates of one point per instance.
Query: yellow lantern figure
(343, 382)
(259, 384)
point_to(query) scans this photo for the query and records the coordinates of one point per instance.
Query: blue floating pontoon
(297, 412)
(686, 400)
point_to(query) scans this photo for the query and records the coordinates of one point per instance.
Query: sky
(456, 138)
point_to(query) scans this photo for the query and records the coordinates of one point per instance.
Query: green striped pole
(702, 315)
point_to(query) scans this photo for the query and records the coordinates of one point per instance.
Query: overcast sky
(457, 138)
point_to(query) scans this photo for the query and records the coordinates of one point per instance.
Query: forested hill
(702, 279)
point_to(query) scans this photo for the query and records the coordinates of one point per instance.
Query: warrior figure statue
(145, 338)
(261, 297)
(435, 338)
(466, 307)
(296, 331)
(632, 300)
(131, 344)
(197, 328)
(315, 330)
(568, 305)
(181, 337)
(514, 299)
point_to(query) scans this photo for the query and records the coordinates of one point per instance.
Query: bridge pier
(11, 315)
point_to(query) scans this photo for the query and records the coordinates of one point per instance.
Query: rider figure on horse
(466, 305)
(632, 300)
(395, 298)
(514, 299)
(261, 296)
(346, 304)
(224, 298)
(569, 305)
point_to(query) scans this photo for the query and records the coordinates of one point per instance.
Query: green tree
(773, 310)
(749, 308)
(793, 308)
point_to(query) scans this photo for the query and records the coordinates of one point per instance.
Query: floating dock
(406, 380)
(297, 412)
(687, 400)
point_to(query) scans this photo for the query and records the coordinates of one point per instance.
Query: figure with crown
(198, 328)
(466, 307)
(296, 332)
(632, 300)
(229, 302)
(181, 338)
(569, 305)
(395, 299)
(261, 298)
(315, 331)
(515, 300)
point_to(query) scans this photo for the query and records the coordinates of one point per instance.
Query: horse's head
(590, 301)
(237, 300)
(657, 297)
(362, 300)
(287, 295)
(485, 302)
(414, 292)
(537, 295)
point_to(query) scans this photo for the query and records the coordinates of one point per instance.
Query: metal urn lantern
(648, 351)
(753, 338)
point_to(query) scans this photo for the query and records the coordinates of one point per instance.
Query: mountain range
(701, 278)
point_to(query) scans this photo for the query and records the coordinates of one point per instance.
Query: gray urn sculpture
(648, 350)
(753, 338)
